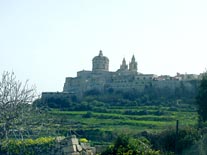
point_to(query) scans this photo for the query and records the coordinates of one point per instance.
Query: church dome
(100, 62)
(100, 57)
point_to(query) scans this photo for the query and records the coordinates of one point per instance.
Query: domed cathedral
(126, 78)
(133, 65)
(100, 63)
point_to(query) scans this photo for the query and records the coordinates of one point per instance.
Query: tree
(201, 99)
(15, 99)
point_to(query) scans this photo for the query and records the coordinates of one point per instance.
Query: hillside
(101, 122)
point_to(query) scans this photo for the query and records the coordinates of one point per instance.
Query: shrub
(124, 145)
(89, 114)
(165, 141)
(41, 145)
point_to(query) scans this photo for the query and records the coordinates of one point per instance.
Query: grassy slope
(116, 120)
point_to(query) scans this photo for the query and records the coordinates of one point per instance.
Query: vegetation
(201, 99)
(101, 125)
(15, 98)
(198, 148)
(38, 146)
(125, 145)
(146, 119)
(19, 118)
(166, 140)
(101, 118)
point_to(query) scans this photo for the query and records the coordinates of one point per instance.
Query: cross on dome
(100, 53)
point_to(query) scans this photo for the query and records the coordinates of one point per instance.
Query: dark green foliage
(198, 148)
(165, 141)
(58, 102)
(129, 146)
(74, 98)
(38, 103)
(92, 92)
(201, 99)
(88, 115)
(143, 112)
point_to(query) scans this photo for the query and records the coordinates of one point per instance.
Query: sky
(45, 41)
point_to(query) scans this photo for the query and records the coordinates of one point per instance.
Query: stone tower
(123, 66)
(133, 65)
(100, 63)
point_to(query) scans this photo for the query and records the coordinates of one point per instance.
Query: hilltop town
(126, 78)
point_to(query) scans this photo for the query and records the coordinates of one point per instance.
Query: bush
(89, 114)
(198, 148)
(165, 141)
(129, 146)
(39, 146)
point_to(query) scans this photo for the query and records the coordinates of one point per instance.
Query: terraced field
(120, 119)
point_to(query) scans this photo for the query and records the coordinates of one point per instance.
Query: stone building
(101, 79)
(100, 63)
(125, 78)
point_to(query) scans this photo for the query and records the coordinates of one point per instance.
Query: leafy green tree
(201, 99)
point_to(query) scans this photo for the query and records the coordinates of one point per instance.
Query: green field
(121, 119)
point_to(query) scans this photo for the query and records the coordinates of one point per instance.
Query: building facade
(125, 78)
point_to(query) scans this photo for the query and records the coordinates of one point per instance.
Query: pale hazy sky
(47, 40)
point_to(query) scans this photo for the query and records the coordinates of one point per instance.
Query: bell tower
(123, 66)
(133, 65)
